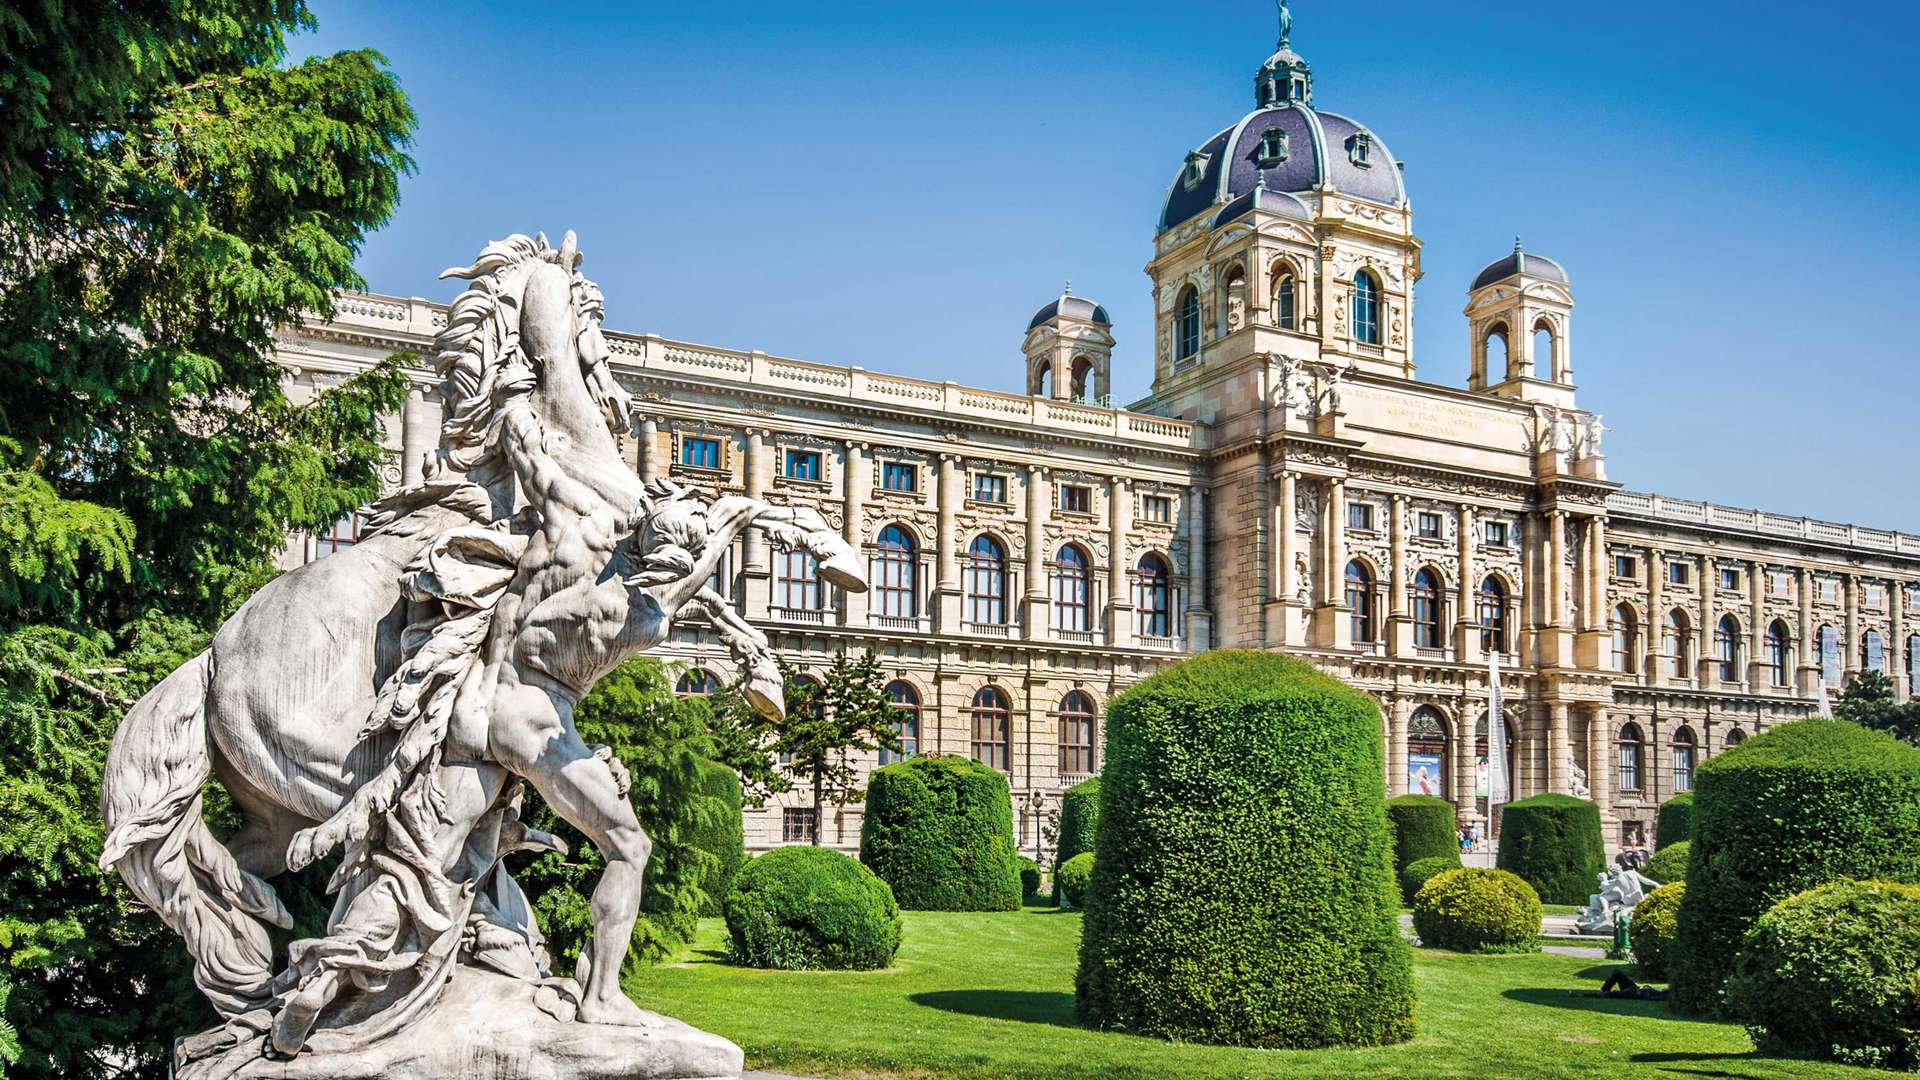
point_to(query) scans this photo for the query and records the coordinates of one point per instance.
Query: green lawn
(979, 996)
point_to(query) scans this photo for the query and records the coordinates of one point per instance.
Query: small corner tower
(1519, 311)
(1069, 349)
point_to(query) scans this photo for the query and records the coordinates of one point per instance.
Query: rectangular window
(1625, 567)
(1876, 597)
(344, 534)
(1729, 579)
(1156, 508)
(899, 476)
(1427, 524)
(1829, 590)
(1677, 573)
(1780, 582)
(1076, 499)
(1496, 533)
(989, 488)
(1360, 516)
(803, 465)
(700, 453)
(798, 825)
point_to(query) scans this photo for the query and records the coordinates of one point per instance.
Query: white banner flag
(1498, 783)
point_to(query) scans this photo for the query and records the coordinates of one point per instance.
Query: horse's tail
(150, 796)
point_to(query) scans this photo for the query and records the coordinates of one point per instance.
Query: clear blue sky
(1732, 187)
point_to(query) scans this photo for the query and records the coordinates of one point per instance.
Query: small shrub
(1806, 803)
(805, 907)
(1553, 841)
(1834, 972)
(1423, 828)
(1079, 820)
(1652, 927)
(1419, 873)
(1669, 864)
(1674, 822)
(1471, 909)
(939, 830)
(1242, 890)
(1029, 877)
(1070, 881)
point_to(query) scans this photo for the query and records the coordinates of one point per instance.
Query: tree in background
(170, 191)
(1868, 701)
(829, 721)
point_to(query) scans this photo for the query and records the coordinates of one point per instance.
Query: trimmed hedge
(1669, 864)
(1473, 909)
(1651, 929)
(1423, 828)
(1419, 873)
(1674, 822)
(1070, 881)
(805, 907)
(1553, 841)
(1809, 802)
(1242, 890)
(939, 830)
(720, 834)
(1029, 877)
(1834, 972)
(1079, 820)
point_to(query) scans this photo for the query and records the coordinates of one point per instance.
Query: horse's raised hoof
(843, 572)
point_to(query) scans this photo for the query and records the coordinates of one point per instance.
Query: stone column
(1283, 627)
(1809, 651)
(1466, 638)
(1592, 650)
(1398, 630)
(1036, 616)
(1850, 645)
(1559, 752)
(1707, 663)
(1119, 599)
(854, 480)
(756, 579)
(947, 582)
(419, 436)
(1897, 648)
(1330, 626)
(1463, 756)
(1600, 763)
(653, 464)
(1397, 745)
(1756, 625)
(1656, 615)
(1199, 569)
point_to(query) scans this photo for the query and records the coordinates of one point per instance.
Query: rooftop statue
(390, 700)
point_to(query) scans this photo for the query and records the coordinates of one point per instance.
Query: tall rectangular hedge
(939, 830)
(1554, 842)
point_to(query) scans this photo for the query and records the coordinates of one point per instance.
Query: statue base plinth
(486, 1027)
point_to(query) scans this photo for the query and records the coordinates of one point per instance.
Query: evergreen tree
(827, 722)
(171, 189)
(1868, 701)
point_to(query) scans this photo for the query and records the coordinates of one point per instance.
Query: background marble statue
(391, 699)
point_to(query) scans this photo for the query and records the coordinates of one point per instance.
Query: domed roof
(1520, 262)
(1072, 307)
(1311, 151)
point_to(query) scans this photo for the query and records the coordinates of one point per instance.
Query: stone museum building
(1286, 482)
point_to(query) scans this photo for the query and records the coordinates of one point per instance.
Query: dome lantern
(1286, 76)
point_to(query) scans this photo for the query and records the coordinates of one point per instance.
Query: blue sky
(1731, 186)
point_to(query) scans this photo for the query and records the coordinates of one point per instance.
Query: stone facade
(1285, 484)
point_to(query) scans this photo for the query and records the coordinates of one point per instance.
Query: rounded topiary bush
(1419, 873)
(1472, 909)
(719, 833)
(1669, 864)
(1673, 824)
(1553, 841)
(1809, 802)
(1243, 890)
(1029, 877)
(1423, 828)
(1651, 930)
(1834, 972)
(1070, 881)
(1079, 819)
(940, 831)
(811, 908)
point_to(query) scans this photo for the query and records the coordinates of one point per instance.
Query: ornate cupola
(1286, 76)
(1069, 347)
(1519, 310)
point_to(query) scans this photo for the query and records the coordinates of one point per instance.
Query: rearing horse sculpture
(391, 697)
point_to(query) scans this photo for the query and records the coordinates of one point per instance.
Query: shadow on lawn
(1560, 997)
(1028, 1006)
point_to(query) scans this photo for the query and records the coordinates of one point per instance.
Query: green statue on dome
(1286, 23)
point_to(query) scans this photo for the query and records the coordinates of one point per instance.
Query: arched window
(1366, 309)
(895, 574)
(1633, 747)
(1186, 325)
(1676, 644)
(1072, 590)
(987, 582)
(1543, 360)
(1779, 653)
(1829, 656)
(906, 721)
(696, 682)
(799, 582)
(1684, 753)
(1873, 652)
(1285, 302)
(1360, 602)
(1082, 385)
(1076, 734)
(1735, 736)
(1491, 601)
(1427, 752)
(990, 718)
(1726, 648)
(1426, 609)
(1626, 641)
(1153, 597)
(1497, 353)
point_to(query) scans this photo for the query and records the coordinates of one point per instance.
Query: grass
(990, 997)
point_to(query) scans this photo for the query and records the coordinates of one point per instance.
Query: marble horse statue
(390, 700)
